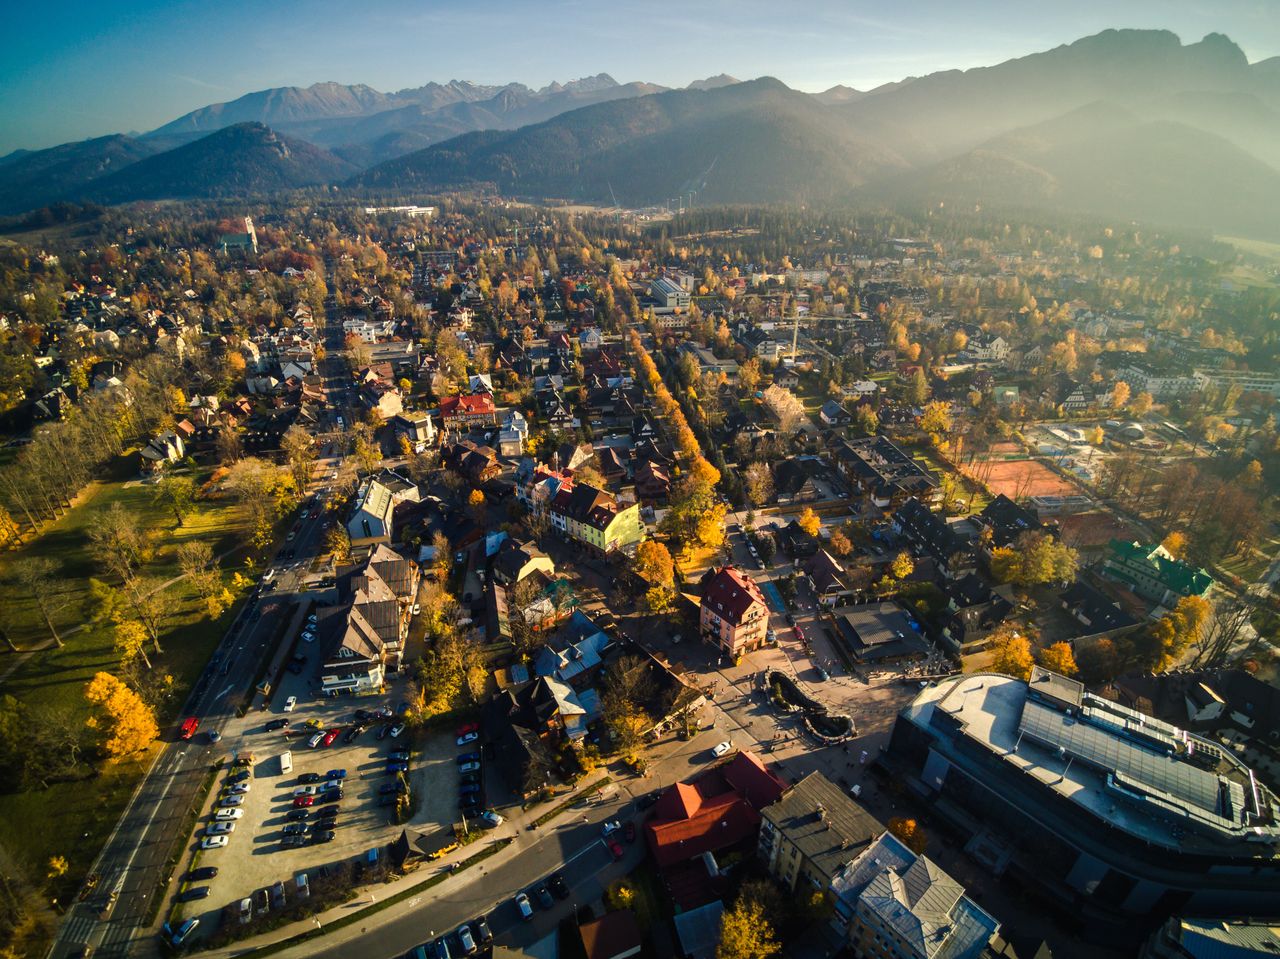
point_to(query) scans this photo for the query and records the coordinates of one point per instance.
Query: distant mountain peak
(712, 83)
(839, 94)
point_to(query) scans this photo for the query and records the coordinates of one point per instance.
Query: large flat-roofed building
(669, 294)
(1124, 818)
(879, 632)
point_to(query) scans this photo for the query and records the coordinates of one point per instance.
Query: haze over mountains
(1126, 123)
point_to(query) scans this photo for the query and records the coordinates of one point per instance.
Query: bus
(189, 727)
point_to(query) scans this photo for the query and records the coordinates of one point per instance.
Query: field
(1089, 530)
(1017, 478)
(75, 817)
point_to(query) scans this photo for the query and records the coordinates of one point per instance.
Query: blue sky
(75, 69)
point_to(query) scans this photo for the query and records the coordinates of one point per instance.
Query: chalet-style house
(733, 614)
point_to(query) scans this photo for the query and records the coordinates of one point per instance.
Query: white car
(233, 813)
(396, 730)
(468, 738)
(611, 827)
(315, 740)
(721, 748)
(289, 703)
(219, 828)
(241, 788)
(213, 842)
(307, 790)
(309, 636)
(417, 608)
(227, 801)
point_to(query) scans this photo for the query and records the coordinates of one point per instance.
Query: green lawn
(75, 818)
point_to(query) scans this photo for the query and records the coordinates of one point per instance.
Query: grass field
(1259, 248)
(73, 819)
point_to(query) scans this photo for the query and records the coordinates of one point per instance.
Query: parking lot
(257, 854)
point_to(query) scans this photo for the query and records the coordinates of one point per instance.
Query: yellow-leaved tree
(120, 714)
(1060, 658)
(809, 522)
(745, 933)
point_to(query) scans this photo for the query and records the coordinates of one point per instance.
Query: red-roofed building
(734, 615)
(712, 813)
(466, 411)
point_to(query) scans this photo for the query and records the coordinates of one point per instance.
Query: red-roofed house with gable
(714, 813)
(734, 615)
(466, 411)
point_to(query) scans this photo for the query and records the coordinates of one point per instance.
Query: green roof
(1173, 574)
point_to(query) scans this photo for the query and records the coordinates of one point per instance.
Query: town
(431, 580)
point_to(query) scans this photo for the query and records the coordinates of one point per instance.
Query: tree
(935, 419)
(809, 521)
(759, 483)
(40, 579)
(443, 559)
(475, 503)
(1059, 658)
(1141, 405)
(130, 642)
(658, 599)
(745, 933)
(1170, 636)
(654, 565)
(338, 542)
(908, 831)
(299, 451)
(917, 392)
(1119, 395)
(1036, 557)
(749, 376)
(127, 723)
(1011, 654)
(902, 566)
(176, 493)
(841, 545)
(867, 419)
(1099, 662)
(1175, 544)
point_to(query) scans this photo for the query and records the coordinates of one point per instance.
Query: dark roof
(929, 531)
(613, 934)
(829, 828)
(1095, 609)
(1007, 520)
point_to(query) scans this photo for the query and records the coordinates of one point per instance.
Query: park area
(76, 810)
(1005, 469)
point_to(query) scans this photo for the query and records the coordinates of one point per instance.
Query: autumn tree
(841, 545)
(759, 483)
(127, 724)
(935, 419)
(1036, 557)
(653, 564)
(1011, 654)
(909, 833)
(337, 541)
(745, 933)
(1119, 395)
(1175, 544)
(1141, 405)
(299, 451)
(809, 521)
(1059, 658)
(130, 638)
(902, 566)
(749, 376)
(1170, 636)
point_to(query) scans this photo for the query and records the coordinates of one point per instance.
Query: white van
(286, 762)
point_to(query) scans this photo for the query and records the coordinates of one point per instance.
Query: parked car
(238, 777)
(239, 789)
(229, 813)
(334, 784)
(396, 730)
(294, 829)
(466, 940)
(302, 801)
(615, 849)
(193, 893)
(399, 755)
(384, 730)
(395, 768)
(202, 872)
(483, 932)
(468, 758)
(219, 827)
(310, 778)
(524, 907)
(629, 831)
(213, 842)
(466, 728)
(469, 804)
(228, 801)
(647, 800)
(468, 738)
(468, 778)
(293, 842)
(315, 740)
(277, 895)
(246, 911)
(544, 897)
(391, 788)
(277, 724)
(610, 827)
(559, 888)
(290, 703)
(330, 736)
(492, 818)
(183, 932)
(310, 790)
(469, 789)
(331, 796)
(471, 767)
(327, 836)
(297, 815)
(352, 733)
(336, 774)
(721, 748)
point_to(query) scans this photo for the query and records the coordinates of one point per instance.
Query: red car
(466, 728)
(330, 736)
(189, 727)
(615, 848)
(800, 634)
(300, 801)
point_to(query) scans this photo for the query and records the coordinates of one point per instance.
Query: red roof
(717, 810)
(469, 404)
(730, 593)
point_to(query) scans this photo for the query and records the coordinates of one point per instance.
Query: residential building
(930, 533)
(879, 632)
(475, 463)
(467, 411)
(162, 450)
(615, 935)
(811, 833)
(514, 561)
(376, 501)
(894, 903)
(1185, 938)
(1153, 573)
(1248, 381)
(883, 472)
(1119, 817)
(418, 428)
(244, 240)
(1007, 521)
(1162, 385)
(733, 614)
(596, 518)
(1098, 613)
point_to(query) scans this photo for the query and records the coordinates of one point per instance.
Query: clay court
(1020, 479)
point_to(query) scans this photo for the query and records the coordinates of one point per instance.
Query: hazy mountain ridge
(1128, 122)
(245, 159)
(33, 178)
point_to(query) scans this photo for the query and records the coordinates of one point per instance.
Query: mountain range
(1127, 123)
